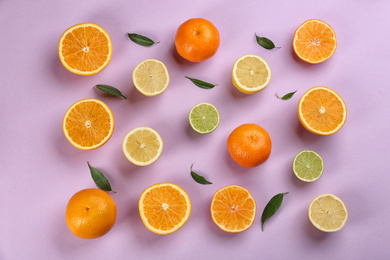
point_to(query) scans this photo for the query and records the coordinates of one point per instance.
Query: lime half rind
(308, 166)
(204, 118)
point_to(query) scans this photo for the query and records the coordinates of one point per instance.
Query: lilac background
(40, 170)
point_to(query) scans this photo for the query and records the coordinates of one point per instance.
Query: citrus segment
(328, 213)
(197, 40)
(90, 213)
(314, 41)
(142, 146)
(308, 166)
(85, 49)
(151, 77)
(251, 74)
(204, 118)
(249, 145)
(322, 111)
(233, 209)
(88, 124)
(164, 208)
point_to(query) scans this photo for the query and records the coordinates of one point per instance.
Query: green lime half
(204, 118)
(308, 165)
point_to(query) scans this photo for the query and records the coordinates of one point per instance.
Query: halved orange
(85, 49)
(314, 41)
(164, 208)
(233, 209)
(322, 111)
(88, 124)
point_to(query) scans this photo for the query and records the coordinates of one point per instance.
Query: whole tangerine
(249, 145)
(197, 40)
(90, 213)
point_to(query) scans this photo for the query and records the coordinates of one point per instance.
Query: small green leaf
(271, 207)
(141, 40)
(198, 178)
(287, 96)
(201, 83)
(99, 179)
(110, 90)
(266, 43)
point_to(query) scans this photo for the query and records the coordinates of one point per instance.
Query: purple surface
(41, 170)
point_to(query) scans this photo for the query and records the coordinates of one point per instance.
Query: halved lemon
(151, 77)
(85, 49)
(250, 74)
(328, 213)
(88, 124)
(164, 208)
(142, 146)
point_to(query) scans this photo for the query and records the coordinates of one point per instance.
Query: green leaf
(287, 96)
(272, 206)
(201, 83)
(141, 40)
(198, 178)
(99, 178)
(110, 90)
(265, 43)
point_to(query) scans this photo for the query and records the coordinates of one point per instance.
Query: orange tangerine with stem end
(314, 41)
(249, 145)
(197, 40)
(90, 213)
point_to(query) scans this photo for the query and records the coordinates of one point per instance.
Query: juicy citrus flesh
(233, 209)
(322, 111)
(308, 166)
(88, 124)
(91, 213)
(250, 74)
(151, 77)
(164, 208)
(328, 213)
(249, 145)
(204, 118)
(142, 146)
(85, 49)
(197, 40)
(314, 41)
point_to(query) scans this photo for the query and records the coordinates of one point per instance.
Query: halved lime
(204, 118)
(308, 166)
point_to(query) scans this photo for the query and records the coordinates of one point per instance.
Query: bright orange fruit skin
(197, 40)
(90, 213)
(249, 145)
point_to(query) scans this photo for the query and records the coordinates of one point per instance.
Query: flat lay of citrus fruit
(85, 49)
